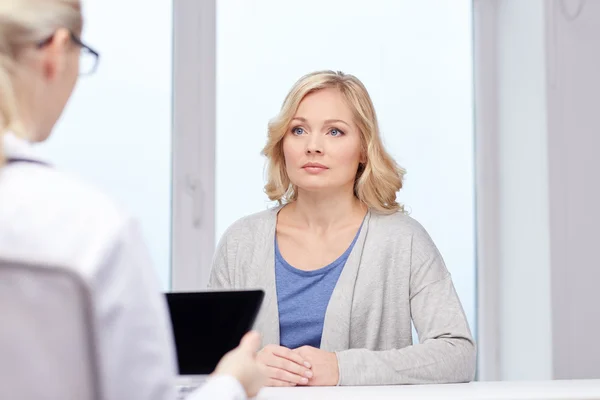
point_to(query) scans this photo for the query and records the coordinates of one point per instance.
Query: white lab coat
(50, 216)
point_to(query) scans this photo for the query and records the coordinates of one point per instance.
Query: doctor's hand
(241, 363)
(324, 365)
(283, 367)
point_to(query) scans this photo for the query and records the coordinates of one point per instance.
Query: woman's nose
(314, 145)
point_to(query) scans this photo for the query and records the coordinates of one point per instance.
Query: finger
(290, 366)
(277, 383)
(286, 376)
(250, 342)
(284, 352)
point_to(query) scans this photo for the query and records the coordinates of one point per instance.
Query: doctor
(49, 215)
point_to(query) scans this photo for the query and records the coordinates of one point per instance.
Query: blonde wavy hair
(24, 23)
(377, 181)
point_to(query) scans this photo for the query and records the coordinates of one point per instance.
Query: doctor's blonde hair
(377, 181)
(24, 23)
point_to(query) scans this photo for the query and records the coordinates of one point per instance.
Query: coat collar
(16, 147)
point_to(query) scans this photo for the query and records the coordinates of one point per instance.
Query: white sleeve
(135, 344)
(220, 387)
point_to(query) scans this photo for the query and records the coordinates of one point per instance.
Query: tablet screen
(206, 325)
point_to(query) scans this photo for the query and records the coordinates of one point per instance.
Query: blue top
(302, 298)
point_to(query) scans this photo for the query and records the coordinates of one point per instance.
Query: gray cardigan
(393, 273)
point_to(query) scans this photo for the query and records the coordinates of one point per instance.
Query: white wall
(539, 212)
(415, 57)
(574, 145)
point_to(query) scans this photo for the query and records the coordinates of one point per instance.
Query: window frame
(194, 137)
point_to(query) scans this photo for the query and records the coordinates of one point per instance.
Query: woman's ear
(54, 57)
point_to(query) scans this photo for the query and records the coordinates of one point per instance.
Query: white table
(516, 390)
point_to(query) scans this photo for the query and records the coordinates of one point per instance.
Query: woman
(49, 216)
(344, 268)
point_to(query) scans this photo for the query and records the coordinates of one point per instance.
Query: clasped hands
(304, 366)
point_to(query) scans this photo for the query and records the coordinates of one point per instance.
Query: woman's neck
(323, 212)
(25, 124)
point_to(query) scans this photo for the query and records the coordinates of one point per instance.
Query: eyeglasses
(89, 57)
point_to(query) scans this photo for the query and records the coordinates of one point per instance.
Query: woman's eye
(297, 131)
(336, 132)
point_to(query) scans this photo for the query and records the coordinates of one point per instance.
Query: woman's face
(322, 148)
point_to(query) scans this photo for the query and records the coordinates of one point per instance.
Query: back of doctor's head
(37, 71)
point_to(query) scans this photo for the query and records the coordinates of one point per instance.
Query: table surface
(513, 390)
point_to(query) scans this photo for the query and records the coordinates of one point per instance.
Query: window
(116, 130)
(415, 57)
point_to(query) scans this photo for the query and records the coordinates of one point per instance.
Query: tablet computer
(207, 325)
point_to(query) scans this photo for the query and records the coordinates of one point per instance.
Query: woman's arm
(446, 352)
(135, 344)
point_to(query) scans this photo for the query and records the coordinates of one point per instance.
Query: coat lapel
(267, 322)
